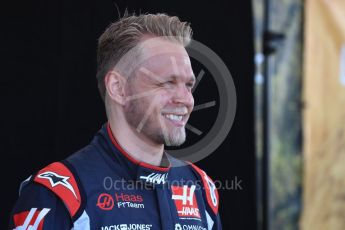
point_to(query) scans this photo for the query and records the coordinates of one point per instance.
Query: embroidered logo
(56, 179)
(32, 219)
(185, 201)
(155, 178)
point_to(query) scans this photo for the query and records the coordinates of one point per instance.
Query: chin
(176, 139)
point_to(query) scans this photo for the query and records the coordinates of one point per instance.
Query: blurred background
(287, 60)
(300, 102)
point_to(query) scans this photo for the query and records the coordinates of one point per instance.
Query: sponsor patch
(128, 227)
(32, 219)
(56, 179)
(189, 227)
(185, 201)
(155, 178)
(105, 202)
(129, 200)
(60, 180)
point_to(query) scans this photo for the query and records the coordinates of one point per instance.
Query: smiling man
(124, 179)
(150, 106)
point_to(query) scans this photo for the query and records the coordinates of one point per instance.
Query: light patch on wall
(342, 65)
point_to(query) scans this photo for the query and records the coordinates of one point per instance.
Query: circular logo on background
(218, 122)
(223, 121)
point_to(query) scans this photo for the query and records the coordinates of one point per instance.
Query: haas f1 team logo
(155, 178)
(105, 201)
(32, 220)
(185, 201)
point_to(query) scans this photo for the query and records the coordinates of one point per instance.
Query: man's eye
(169, 83)
(190, 85)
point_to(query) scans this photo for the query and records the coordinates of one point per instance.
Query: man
(123, 179)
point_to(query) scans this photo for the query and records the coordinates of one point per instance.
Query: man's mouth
(177, 119)
(174, 117)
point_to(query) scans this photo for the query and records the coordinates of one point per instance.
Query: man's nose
(183, 95)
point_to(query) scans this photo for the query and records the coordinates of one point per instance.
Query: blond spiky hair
(123, 35)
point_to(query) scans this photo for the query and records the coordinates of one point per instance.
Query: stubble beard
(160, 134)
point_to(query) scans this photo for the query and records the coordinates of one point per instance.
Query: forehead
(165, 58)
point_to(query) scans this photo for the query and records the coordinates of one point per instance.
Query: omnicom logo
(128, 227)
(188, 227)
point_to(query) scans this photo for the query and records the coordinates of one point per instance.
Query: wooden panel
(324, 116)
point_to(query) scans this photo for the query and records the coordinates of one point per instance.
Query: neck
(136, 146)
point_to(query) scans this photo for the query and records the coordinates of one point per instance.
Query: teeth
(174, 117)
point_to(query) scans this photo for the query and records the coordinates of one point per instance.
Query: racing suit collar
(144, 172)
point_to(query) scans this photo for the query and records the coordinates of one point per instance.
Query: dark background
(49, 98)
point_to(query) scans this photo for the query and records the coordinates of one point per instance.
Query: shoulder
(208, 186)
(38, 206)
(61, 179)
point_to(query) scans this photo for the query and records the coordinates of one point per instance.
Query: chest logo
(105, 202)
(129, 200)
(155, 178)
(185, 201)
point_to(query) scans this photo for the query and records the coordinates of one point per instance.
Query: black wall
(49, 98)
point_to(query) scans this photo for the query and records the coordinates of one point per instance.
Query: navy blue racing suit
(103, 187)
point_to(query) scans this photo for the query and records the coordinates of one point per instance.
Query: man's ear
(115, 85)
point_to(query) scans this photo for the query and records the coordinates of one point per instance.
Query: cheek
(162, 103)
(191, 107)
(164, 96)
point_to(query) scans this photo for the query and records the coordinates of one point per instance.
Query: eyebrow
(174, 77)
